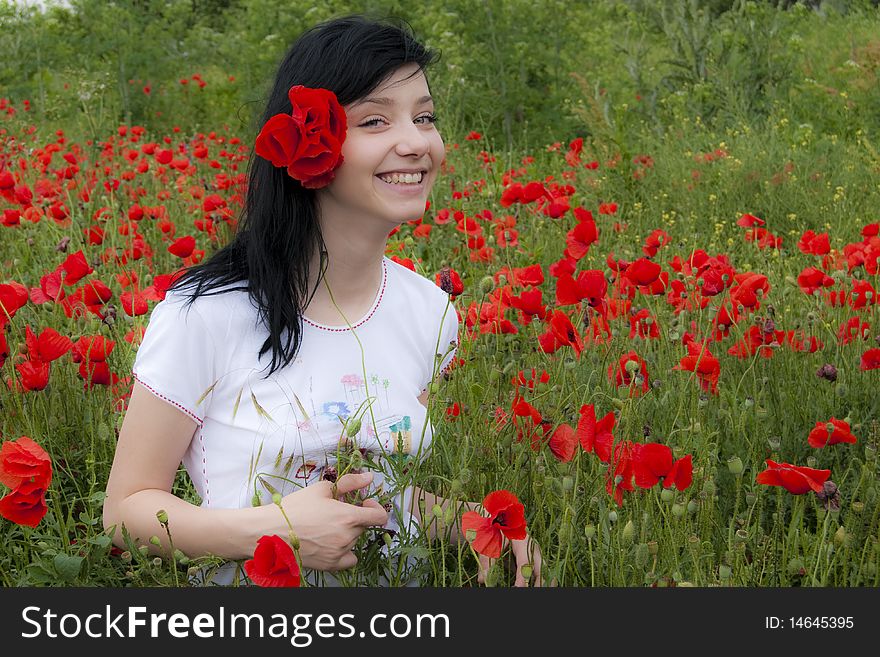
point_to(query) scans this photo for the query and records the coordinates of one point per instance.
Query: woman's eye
(431, 118)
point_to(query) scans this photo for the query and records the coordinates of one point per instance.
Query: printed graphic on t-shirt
(319, 431)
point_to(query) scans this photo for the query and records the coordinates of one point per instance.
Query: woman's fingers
(484, 564)
(527, 553)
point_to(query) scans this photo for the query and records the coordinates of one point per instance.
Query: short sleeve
(448, 346)
(176, 358)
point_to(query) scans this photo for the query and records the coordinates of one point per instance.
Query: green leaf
(67, 567)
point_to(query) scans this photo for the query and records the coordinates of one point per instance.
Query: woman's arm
(152, 441)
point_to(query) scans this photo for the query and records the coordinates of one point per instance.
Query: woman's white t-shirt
(259, 435)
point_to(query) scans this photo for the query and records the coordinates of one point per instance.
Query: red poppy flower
(812, 244)
(24, 461)
(274, 563)
(643, 271)
(653, 462)
(870, 360)
(506, 518)
(564, 332)
(563, 443)
(627, 375)
(183, 247)
(308, 141)
(794, 478)
(749, 220)
(830, 433)
(620, 471)
(596, 436)
(701, 362)
(49, 346)
(25, 505)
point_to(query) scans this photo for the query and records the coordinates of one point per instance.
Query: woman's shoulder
(217, 306)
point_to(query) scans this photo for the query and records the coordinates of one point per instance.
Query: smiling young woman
(347, 151)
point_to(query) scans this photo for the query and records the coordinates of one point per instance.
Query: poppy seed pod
(735, 465)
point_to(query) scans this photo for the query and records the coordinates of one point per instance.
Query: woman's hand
(526, 552)
(326, 527)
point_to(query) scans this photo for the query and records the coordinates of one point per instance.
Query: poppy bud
(255, 500)
(487, 284)
(693, 506)
(155, 540)
(631, 366)
(628, 531)
(612, 516)
(709, 487)
(276, 498)
(162, 516)
(750, 498)
(774, 442)
(437, 511)
(812, 462)
(567, 483)
(724, 571)
(352, 429)
(796, 567)
(449, 515)
(678, 510)
(749, 402)
(667, 495)
(180, 557)
(526, 572)
(590, 531)
(840, 536)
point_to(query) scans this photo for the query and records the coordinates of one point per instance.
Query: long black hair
(279, 229)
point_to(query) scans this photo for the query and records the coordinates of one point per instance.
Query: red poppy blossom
(183, 247)
(627, 375)
(653, 462)
(563, 443)
(25, 505)
(308, 142)
(274, 563)
(794, 478)
(506, 519)
(830, 433)
(701, 362)
(620, 471)
(870, 360)
(49, 346)
(24, 461)
(596, 436)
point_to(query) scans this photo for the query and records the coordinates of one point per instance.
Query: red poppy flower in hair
(308, 141)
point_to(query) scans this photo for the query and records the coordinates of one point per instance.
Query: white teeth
(396, 178)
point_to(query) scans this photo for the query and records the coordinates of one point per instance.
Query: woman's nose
(412, 141)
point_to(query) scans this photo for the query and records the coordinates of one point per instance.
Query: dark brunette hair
(279, 229)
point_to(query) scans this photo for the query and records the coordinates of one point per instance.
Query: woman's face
(395, 135)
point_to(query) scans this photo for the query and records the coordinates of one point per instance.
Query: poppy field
(669, 346)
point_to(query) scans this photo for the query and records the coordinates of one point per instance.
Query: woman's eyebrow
(388, 102)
